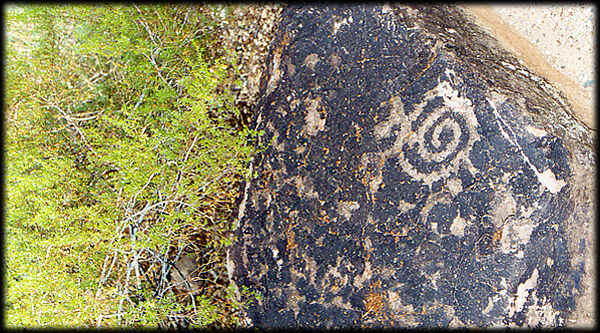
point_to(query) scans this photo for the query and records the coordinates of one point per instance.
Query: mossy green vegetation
(123, 153)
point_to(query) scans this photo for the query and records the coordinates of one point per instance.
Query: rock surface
(415, 175)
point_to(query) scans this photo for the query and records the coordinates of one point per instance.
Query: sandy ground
(556, 41)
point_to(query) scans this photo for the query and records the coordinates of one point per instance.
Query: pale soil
(553, 41)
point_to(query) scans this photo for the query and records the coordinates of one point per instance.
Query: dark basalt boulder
(415, 175)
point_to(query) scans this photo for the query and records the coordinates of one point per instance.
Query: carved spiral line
(437, 135)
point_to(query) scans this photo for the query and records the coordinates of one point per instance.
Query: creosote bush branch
(124, 157)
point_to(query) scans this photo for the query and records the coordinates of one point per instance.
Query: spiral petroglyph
(435, 137)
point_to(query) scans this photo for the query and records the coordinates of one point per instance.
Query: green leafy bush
(123, 154)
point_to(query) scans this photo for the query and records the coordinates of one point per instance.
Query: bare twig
(134, 198)
(69, 119)
(140, 100)
(158, 71)
(187, 153)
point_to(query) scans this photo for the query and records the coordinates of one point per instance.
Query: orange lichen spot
(291, 242)
(358, 130)
(497, 236)
(366, 179)
(403, 232)
(323, 220)
(286, 40)
(307, 152)
(371, 197)
(375, 303)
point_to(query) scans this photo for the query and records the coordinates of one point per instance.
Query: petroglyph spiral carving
(435, 138)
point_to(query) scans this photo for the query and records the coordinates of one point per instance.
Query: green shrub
(122, 153)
